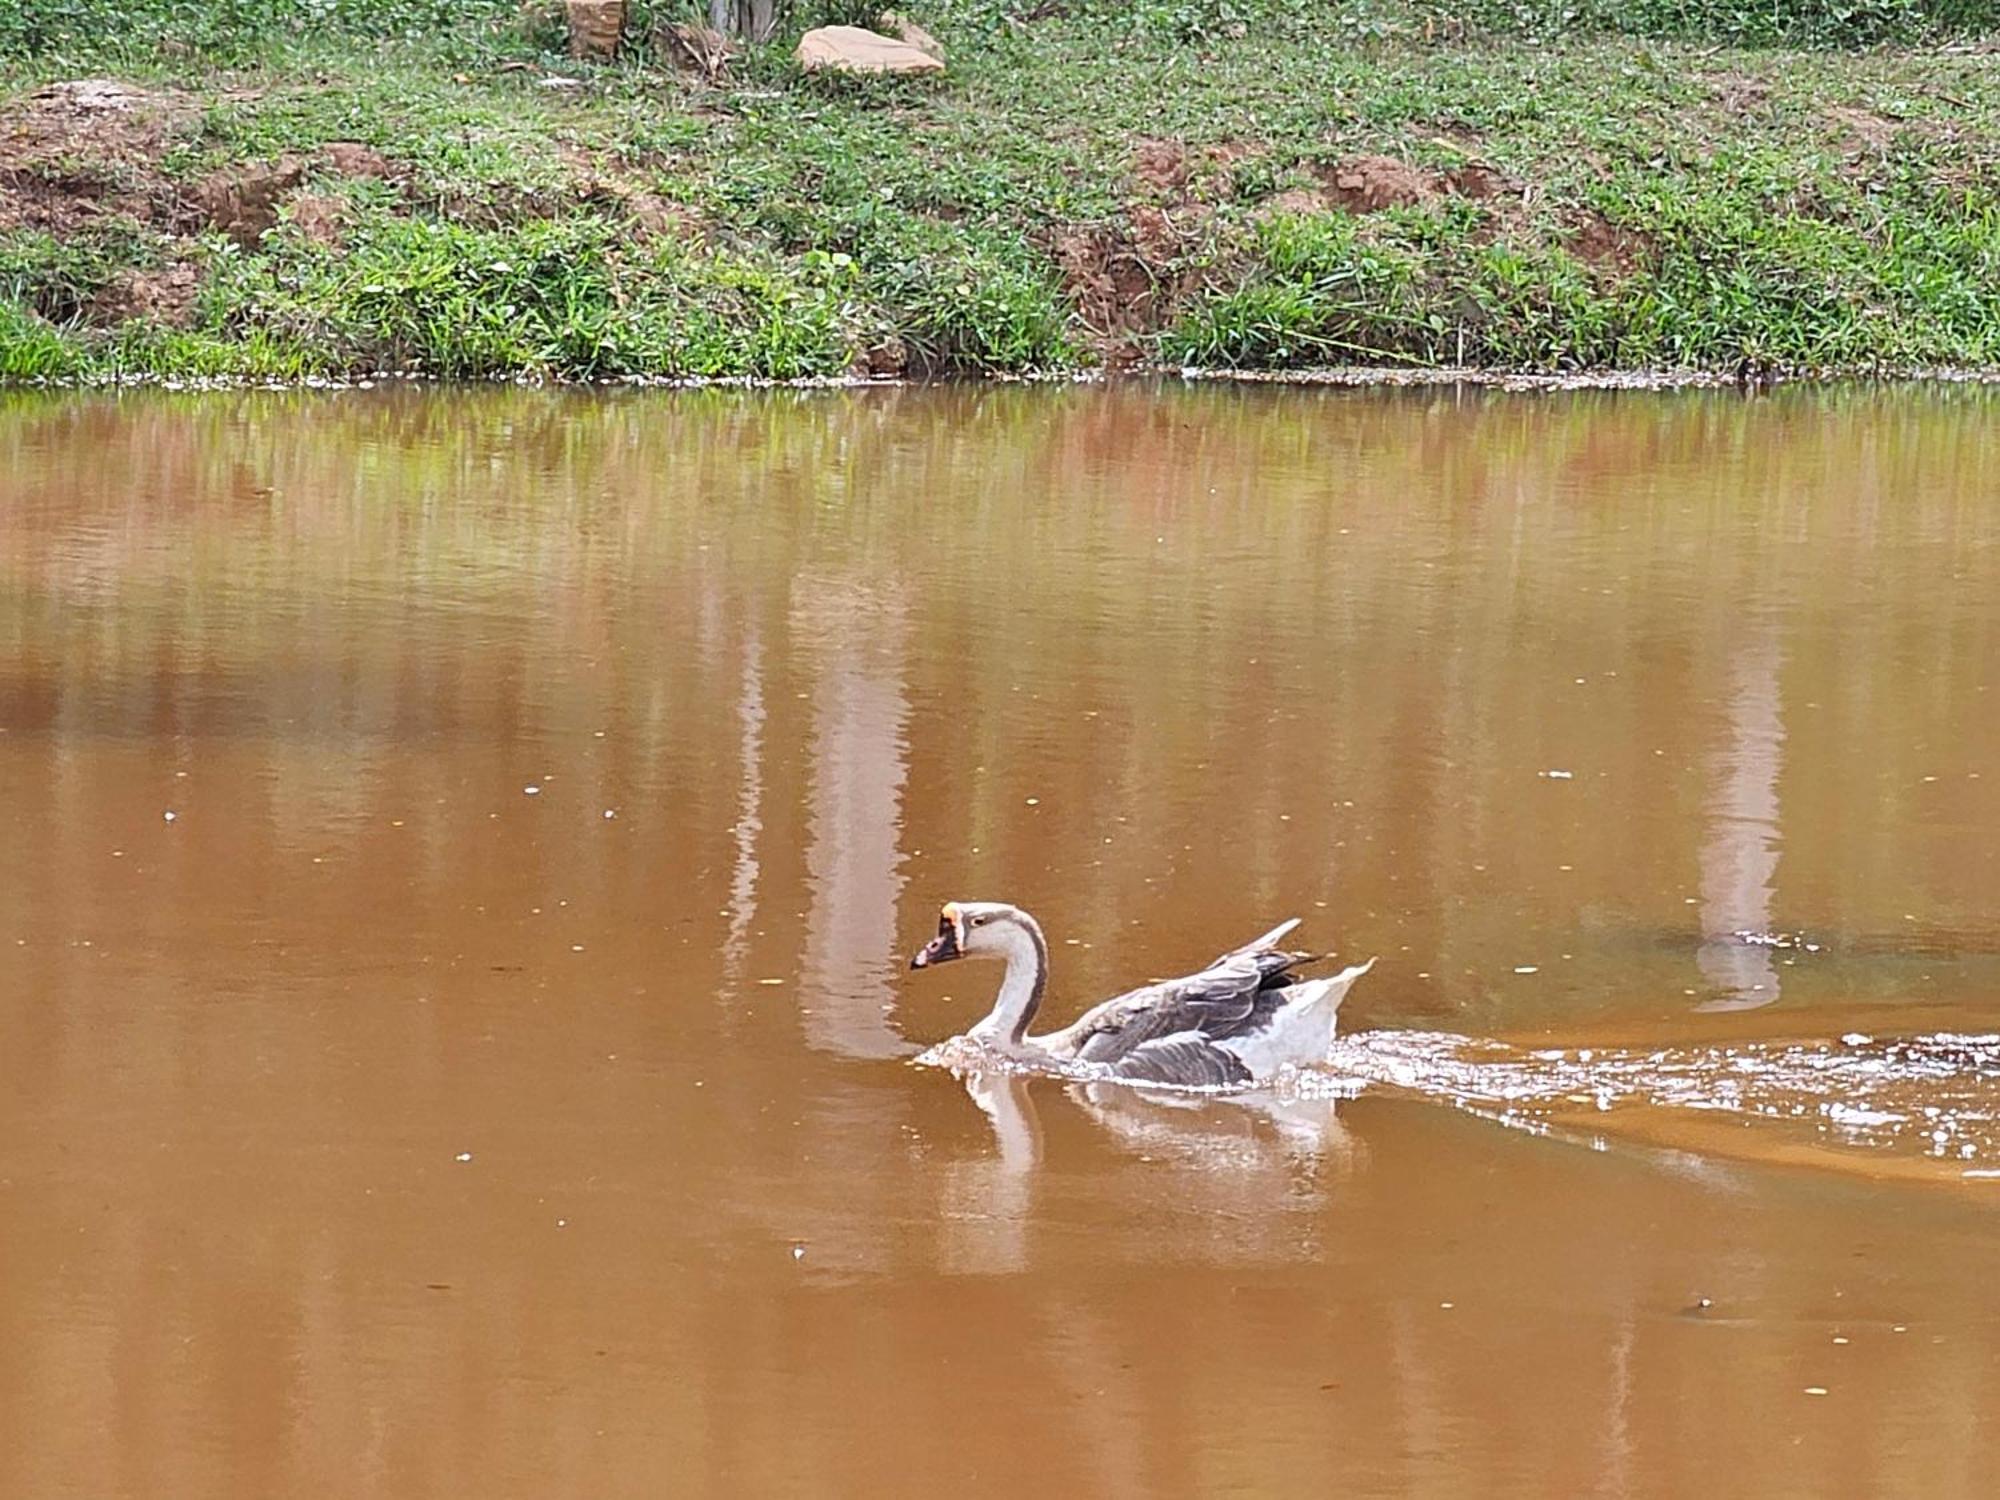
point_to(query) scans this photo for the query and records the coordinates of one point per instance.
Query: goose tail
(1300, 1031)
(1339, 984)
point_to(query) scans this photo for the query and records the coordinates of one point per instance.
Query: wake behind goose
(1924, 1105)
(1241, 1020)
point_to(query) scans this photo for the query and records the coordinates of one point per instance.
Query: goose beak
(941, 949)
(946, 945)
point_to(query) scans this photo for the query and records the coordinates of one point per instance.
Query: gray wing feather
(1263, 944)
(1186, 1059)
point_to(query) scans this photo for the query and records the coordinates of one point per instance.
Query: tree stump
(595, 27)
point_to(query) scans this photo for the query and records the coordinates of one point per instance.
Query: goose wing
(1220, 1001)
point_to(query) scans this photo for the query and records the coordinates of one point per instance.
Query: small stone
(900, 26)
(94, 95)
(854, 49)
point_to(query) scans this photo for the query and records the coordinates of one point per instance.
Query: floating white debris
(169, 815)
(1815, 1390)
(1856, 1039)
(798, 1252)
(1527, 968)
(532, 791)
(610, 812)
(1560, 775)
(771, 981)
(463, 1156)
(576, 947)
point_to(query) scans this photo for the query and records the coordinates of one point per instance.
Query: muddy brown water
(493, 1077)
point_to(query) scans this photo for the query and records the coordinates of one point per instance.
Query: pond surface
(459, 854)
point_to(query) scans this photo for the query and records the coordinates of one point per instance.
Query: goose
(1235, 1023)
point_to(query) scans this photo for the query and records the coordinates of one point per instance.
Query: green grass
(31, 348)
(138, 31)
(563, 297)
(230, 30)
(1651, 191)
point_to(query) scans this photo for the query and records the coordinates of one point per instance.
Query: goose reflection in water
(1224, 1133)
(1239, 1169)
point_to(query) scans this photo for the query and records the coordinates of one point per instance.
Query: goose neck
(1023, 986)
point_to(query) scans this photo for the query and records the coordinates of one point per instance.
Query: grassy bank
(273, 190)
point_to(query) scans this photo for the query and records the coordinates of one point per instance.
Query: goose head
(967, 929)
